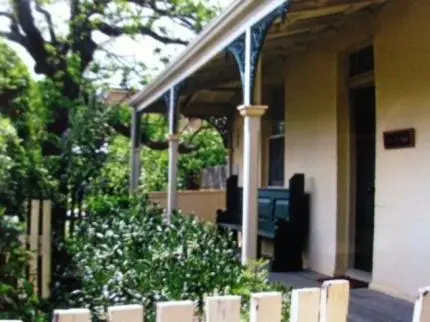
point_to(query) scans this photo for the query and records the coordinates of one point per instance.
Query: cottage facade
(347, 89)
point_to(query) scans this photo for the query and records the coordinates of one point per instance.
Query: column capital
(173, 137)
(252, 110)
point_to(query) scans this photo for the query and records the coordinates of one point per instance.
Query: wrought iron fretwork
(258, 34)
(237, 49)
(173, 115)
(222, 124)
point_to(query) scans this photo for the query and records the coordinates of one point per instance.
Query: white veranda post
(173, 157)
(173, 163)
(252, 128)
(135, 151)
(251, 154)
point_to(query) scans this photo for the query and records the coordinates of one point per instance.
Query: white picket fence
(328, 304)
(38, 241)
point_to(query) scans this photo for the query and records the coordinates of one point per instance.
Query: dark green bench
(280, 212)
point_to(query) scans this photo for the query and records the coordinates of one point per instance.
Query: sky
(140, 50)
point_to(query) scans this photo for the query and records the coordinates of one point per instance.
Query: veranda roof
(213, 81)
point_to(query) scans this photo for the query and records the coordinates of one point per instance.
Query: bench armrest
(221, 216)
(280, 221)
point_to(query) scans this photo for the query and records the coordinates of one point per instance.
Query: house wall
(238, 147)
(311, 147)
(201, 203)
(311, 110)
(317, 144)
(402, 221)
(317, 138)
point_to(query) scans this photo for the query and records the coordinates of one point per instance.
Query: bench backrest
(273, 203)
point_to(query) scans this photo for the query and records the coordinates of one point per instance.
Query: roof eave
(211, 41)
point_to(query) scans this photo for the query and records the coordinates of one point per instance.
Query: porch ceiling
(215, 88)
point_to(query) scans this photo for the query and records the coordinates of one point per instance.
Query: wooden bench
(282, 218)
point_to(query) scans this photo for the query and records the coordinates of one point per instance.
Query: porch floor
(365, 305)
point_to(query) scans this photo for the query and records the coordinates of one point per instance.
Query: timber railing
(214, 177)
(326, 304)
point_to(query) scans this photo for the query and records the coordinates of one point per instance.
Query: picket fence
(328, 304)
(38, 242)
(214, 177)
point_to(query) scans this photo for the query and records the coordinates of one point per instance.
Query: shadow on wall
(310, 190)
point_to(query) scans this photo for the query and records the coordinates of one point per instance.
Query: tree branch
(80, 35)
(7, 15)
(199, 130)
(36, 43)
(185, 20)
(153, 145)
(14, 33)
(48, 19)
(115, 31)
(15, 37)
(25, 17)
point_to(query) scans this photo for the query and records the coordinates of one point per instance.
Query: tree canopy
(65, 48)
(57, 134)
(21, 130)
(14, 88)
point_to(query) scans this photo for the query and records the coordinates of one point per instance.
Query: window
(361, 62)
(276, 161)
(276, 141)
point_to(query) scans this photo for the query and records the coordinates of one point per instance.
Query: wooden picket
(175, 311)
(334, 301)
(329, 304)
(125, 313)
(305, 304)
(72, 315)
(266, 307)
(33, 240)
(46, 247)
(39, 245)
(223, 309)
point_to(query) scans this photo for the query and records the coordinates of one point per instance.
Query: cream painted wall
(311, 147)
(238, 147)
(314, 139)
(317, 138)
(311, 81)
(316, 119)
(402, 221)
(201, 203)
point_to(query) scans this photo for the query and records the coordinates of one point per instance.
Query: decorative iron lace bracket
(237, 49)
(173, 109)
(258, 35)
(222, 124)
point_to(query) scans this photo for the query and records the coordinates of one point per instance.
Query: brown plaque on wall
(399, 139)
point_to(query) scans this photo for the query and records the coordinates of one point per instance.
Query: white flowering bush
(125, 253)
(9, 143)
(17, 296)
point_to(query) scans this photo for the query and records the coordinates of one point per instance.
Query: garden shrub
(17, 296)
(13, 168)
(125, 253)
